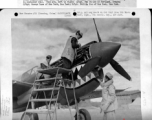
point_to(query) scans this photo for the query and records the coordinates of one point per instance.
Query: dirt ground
(123, 113)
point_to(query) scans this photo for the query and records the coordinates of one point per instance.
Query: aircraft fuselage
(101, 54)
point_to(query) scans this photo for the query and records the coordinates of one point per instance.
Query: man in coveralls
(48, 60)
(109, 101)
(68, 54)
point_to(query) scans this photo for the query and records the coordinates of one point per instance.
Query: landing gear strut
(83, 115)
(30, 116)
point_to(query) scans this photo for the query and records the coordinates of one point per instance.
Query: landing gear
(83, 115)
(30, 116)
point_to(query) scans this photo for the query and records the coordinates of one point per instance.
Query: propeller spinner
(113, 63)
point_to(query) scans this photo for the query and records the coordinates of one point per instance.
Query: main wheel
(83, 115)
(30, 116)
(34, 116)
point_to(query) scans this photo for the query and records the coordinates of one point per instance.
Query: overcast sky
(33, 39)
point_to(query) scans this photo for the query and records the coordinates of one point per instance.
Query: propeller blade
(88, 67)
(119, 69)
(99, 38)
(101, 73)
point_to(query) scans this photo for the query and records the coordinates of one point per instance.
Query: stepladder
(45, 92)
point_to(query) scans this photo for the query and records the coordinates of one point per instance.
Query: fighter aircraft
(92, 55)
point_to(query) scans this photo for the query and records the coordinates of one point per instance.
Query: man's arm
(74, 42)
(112, 93)
(100, 81)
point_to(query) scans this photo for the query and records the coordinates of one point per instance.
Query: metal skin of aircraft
(89, 56)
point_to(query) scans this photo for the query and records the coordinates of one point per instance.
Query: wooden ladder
(39, 86)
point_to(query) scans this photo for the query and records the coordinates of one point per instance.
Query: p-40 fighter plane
(88, 57)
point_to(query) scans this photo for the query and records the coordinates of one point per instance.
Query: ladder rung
(42, 100)
(40, 111)
(48, 79)
(46, 89)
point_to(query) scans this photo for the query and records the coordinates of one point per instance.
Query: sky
(33, 39)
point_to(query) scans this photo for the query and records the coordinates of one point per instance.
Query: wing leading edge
(20, 87)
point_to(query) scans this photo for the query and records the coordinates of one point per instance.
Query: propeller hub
(105, 50)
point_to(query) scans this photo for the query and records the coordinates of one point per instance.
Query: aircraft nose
(105, 50)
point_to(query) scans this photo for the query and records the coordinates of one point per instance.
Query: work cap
(109, 75)
(79, 33)
(48, 57)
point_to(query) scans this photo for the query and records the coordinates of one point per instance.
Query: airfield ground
(126, 112)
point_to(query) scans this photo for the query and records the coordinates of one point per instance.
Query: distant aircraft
(88, 57)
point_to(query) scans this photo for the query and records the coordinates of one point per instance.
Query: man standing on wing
(68, 54)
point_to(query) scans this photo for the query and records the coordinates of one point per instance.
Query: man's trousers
(109, 115)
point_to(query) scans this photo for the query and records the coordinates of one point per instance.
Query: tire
(30, 116)
(34, 116)
(84, 115)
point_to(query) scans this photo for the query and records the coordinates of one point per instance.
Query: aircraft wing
(98, 93)
(20, 87)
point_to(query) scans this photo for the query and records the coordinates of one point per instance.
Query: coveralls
(69, 52)
(109, 100)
